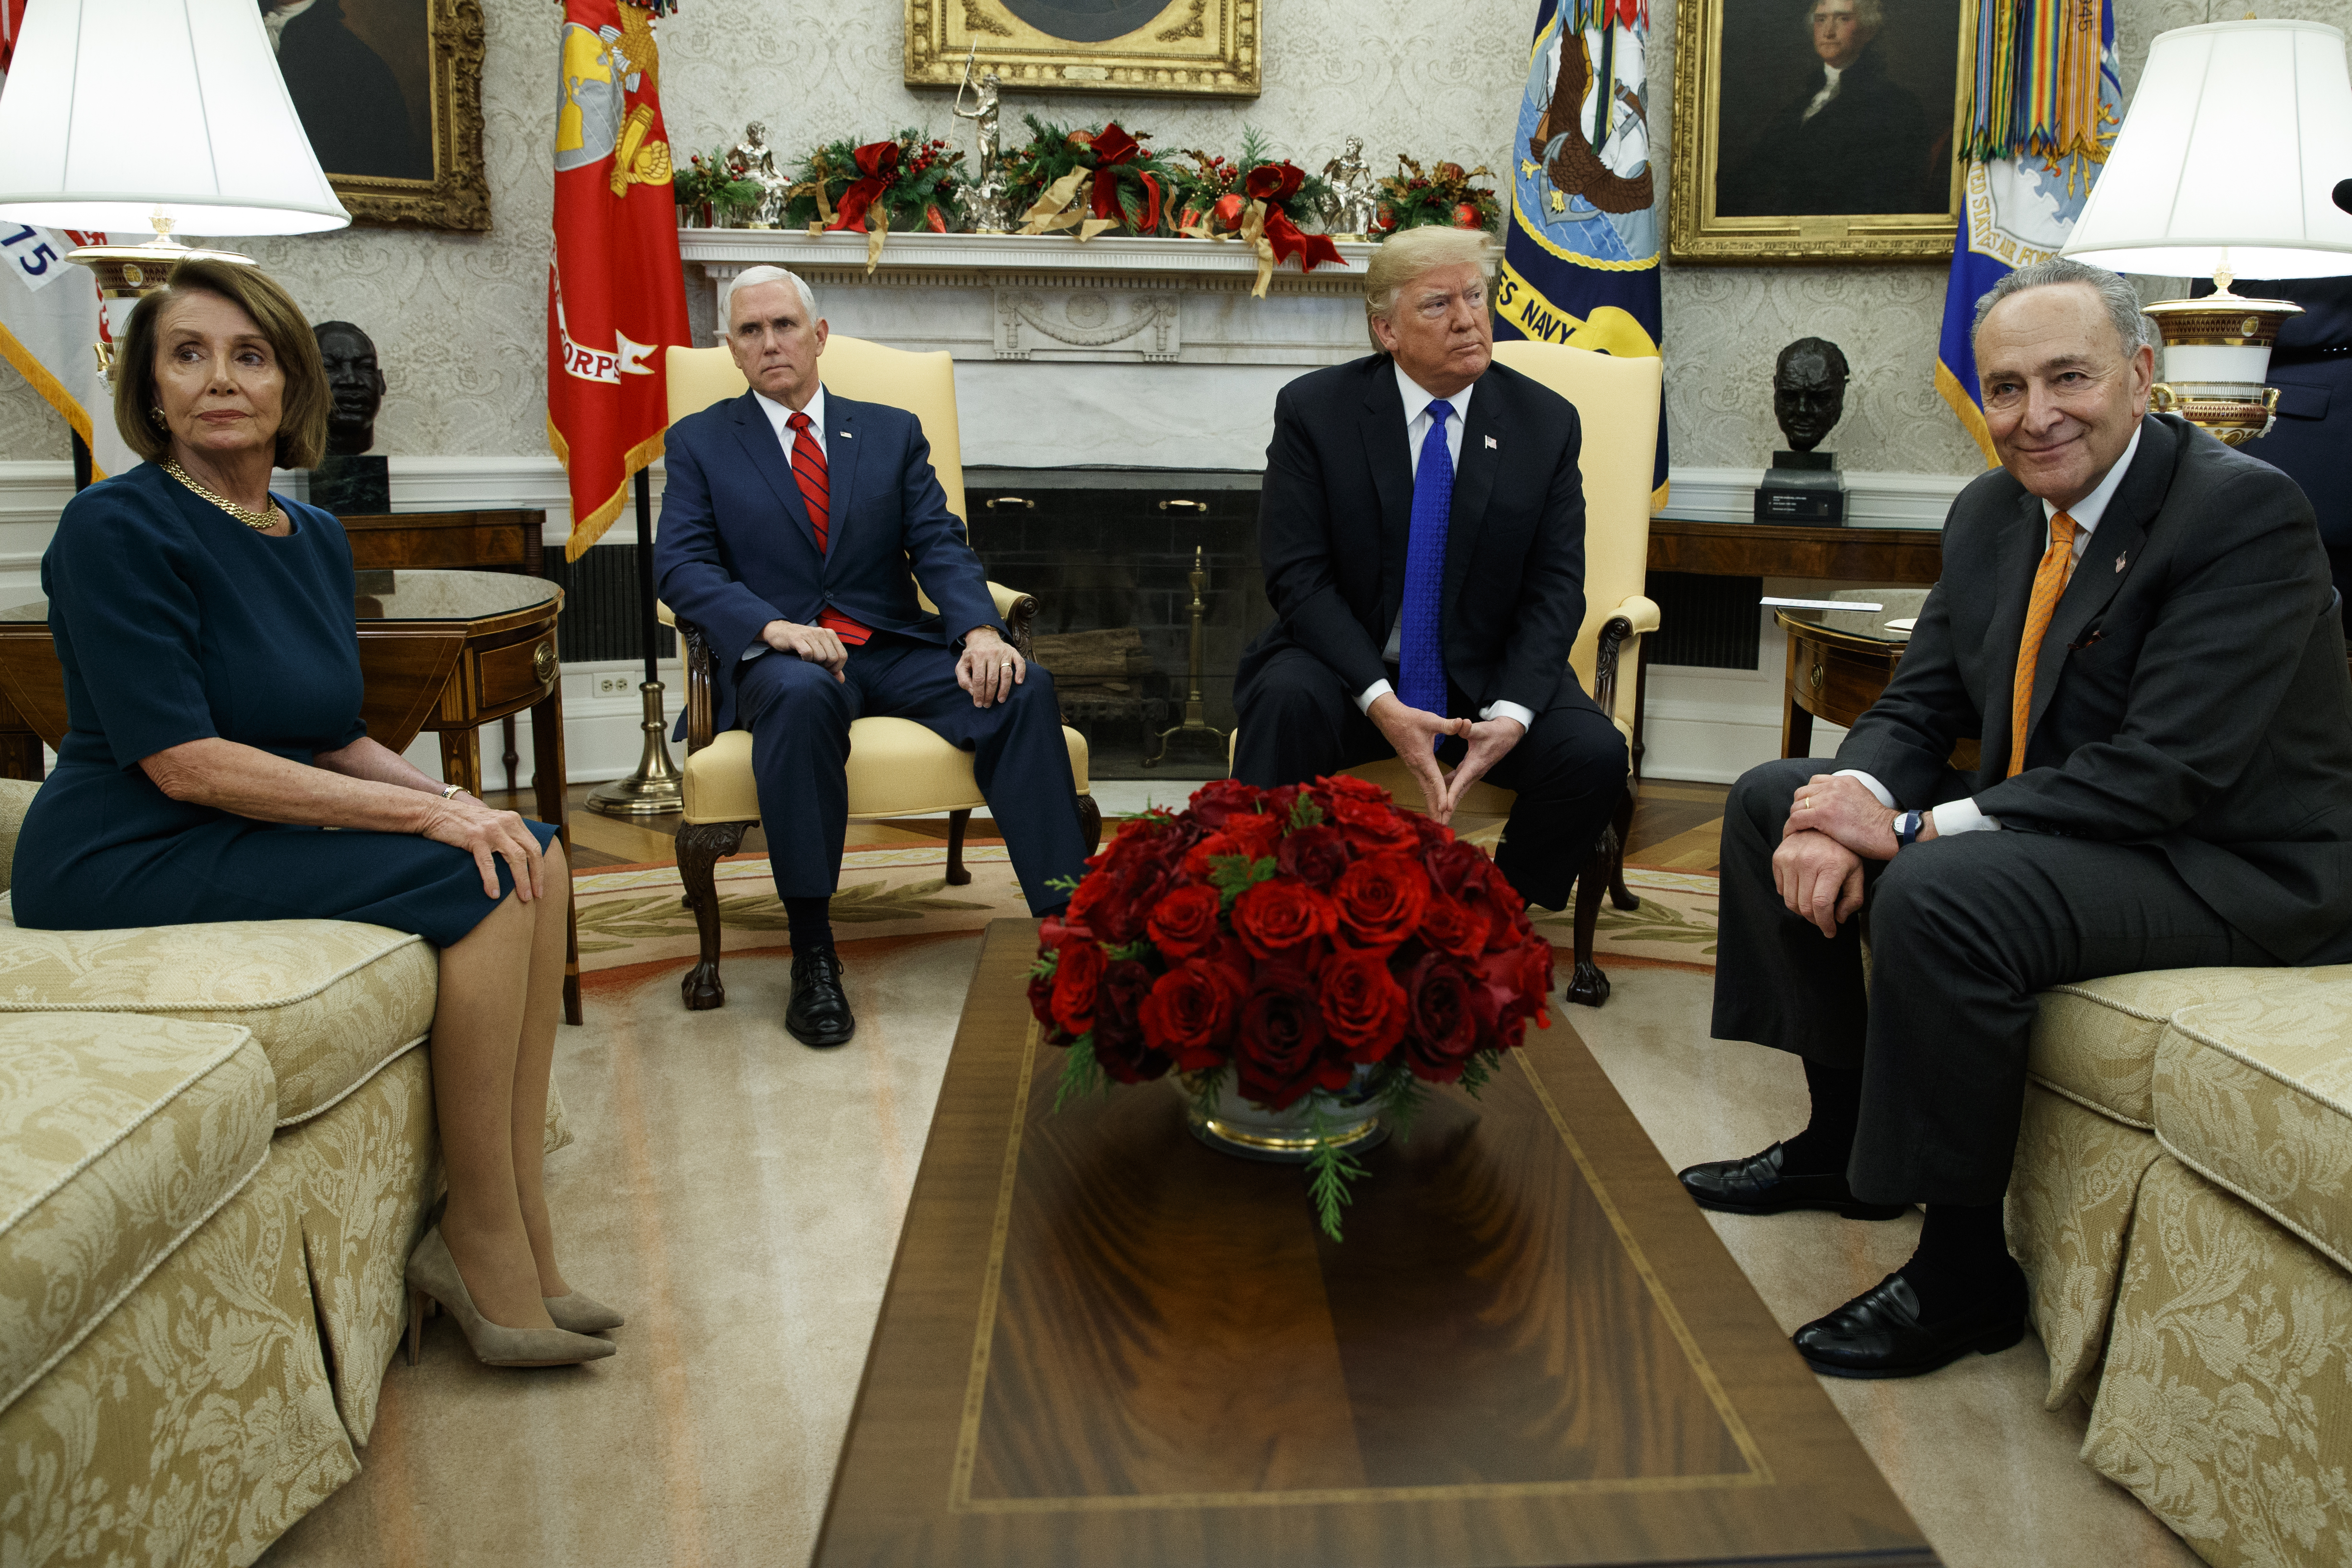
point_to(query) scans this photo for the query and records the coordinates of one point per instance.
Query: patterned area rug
(633, 914)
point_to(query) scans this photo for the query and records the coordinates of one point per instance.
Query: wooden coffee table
(1104, 1344)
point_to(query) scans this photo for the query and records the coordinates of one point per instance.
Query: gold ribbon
(1252, 234)
(876, 238)
(1064, 205)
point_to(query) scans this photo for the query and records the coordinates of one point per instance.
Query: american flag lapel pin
(1491, 445)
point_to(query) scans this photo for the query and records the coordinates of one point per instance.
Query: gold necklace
(259, 521)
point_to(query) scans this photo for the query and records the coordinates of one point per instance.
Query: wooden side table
(461, 540)
(1841, 661)
(445, 651)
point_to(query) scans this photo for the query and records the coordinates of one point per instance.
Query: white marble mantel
(1118, 351)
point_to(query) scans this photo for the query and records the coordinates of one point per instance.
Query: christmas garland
(908, 182)
(1417, 198)
(705, 185)
(1087, 181)
(1210, 196)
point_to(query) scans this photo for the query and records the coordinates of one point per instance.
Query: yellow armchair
(897, 768)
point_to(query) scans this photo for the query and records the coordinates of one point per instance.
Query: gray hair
(751, 277)
(1401, 260)
(2133, 329)
(1868, 15)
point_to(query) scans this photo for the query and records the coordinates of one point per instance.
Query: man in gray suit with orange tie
(2137, 625)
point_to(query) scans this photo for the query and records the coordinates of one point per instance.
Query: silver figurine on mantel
(985, 202)
(752, 159)
(1355, 194)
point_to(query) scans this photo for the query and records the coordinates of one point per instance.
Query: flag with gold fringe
(1580, 264)
(2041, 112)
(616, 288)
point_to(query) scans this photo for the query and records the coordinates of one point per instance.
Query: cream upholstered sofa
(216, 1148)
(2182, 1206)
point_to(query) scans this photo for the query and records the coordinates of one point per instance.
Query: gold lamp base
(655, 789)
(2217, 351)
(128, 273)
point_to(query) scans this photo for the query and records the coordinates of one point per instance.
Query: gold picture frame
(379, 73)
(1205, 48)
(1768, 100)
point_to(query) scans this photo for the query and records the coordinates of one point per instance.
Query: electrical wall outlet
(612, 684)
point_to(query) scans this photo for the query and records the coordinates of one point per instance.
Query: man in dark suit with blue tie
(795, 529)
(1422, 529)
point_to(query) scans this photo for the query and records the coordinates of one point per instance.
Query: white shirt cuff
(1499, 709)
(1371, 694)
(1962, 816)
(1878, 792)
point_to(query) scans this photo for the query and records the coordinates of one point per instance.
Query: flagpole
(82, 459)
(654, 789)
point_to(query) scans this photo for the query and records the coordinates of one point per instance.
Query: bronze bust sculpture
(356, 382)
(1809, 383)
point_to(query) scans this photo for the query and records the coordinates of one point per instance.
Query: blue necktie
(1422, 647)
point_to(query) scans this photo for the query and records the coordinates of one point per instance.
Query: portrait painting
(1197, 47)
(389, 92)
(1817, 130)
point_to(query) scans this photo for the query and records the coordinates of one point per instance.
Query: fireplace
(1109, 555)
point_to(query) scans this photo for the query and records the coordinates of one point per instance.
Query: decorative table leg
(700, 846)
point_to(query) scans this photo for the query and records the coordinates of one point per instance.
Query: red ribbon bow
(879, 162)
(1274, 182)
(1287, 241)
(1113, 147)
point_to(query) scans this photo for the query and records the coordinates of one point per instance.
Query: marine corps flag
(615, 291)
(1581, 266)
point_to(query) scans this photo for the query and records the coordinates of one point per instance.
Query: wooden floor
(1676, 825)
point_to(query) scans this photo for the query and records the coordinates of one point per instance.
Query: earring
(156, 414)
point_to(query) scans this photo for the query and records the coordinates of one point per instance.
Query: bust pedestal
(1802, 488)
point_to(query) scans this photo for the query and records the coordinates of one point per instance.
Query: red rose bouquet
(1288, 944)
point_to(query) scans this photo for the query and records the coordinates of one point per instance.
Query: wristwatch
(1907, 827)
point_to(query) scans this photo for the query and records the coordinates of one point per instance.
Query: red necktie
(816, 490)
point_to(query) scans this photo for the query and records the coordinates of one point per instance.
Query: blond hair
(1405, 257)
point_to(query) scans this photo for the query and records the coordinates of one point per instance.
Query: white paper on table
(1906, 623)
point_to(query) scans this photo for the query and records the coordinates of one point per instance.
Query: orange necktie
(2049, 583)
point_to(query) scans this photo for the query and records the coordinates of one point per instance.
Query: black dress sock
(1827, 1142)
(811, 923)
(1962, 1265)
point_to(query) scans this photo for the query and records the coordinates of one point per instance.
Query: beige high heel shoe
(433, 1276)
(581, 1314)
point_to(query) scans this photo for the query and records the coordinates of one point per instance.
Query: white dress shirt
(777, 413)
(1964, 815)
(1417, 399)
(785, 436)
(275, 20)
(1820, 99)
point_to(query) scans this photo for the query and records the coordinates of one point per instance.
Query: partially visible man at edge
(2137, 622)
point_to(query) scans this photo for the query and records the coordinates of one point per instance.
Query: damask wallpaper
(458, 320)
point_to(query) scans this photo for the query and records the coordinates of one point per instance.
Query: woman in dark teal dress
(212, 674)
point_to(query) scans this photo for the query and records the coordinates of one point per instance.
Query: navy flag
(1580, 263)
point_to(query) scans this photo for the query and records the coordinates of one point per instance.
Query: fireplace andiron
(1194, 723)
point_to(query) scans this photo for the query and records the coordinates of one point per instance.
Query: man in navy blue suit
(794, 528)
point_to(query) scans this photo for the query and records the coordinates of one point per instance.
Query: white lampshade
(116, 109)
(2227, 158)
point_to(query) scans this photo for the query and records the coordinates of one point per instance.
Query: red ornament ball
(1464, 216)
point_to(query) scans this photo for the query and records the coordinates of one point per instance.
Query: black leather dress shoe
(818, 1013)
(1879, 1335)
(1757, 1186)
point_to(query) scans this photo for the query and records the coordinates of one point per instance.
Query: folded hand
(1415, 734)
